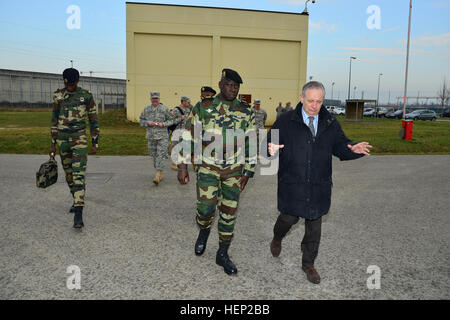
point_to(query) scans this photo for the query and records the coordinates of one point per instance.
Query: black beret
(208, 89)
(71, 75)
(231, 75)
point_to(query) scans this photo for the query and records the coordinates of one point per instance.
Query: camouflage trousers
(218, 187)
(73, 149)
(159, 151)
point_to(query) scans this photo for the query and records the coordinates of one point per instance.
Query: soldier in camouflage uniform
(156, 118)
(221, 177)
(207, 93)
(71, 106)
(180, 114)
(206, 97)
(279, 110)
(260, 119)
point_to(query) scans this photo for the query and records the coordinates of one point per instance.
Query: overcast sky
(35, 36)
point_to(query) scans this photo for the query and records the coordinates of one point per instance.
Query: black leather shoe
(275, 247)
(200, 244)
(223, 260)
(78, 218)
(311, 274)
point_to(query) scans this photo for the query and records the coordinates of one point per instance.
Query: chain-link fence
(22, 89)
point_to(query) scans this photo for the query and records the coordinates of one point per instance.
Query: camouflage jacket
(181, 124)
(70, 111)
(156, 114)
(216, 117)
(260, 118)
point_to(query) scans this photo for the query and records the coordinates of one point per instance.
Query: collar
(235, 102)
(306, 117)
(324, 115)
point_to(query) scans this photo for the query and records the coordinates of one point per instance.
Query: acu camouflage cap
(184, 98)
(154, 95)
(231, 75)
(257, 101)
(71, 75)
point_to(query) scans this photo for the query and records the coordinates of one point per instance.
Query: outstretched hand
(273, 148)
(361, 148)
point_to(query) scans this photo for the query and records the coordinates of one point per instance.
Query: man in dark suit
(309, 136)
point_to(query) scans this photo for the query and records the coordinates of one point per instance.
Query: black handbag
(47, 174)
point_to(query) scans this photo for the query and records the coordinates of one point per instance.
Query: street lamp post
(378, 92)
(407, 61)
(305, 11)
(332, 86)
(350, 76)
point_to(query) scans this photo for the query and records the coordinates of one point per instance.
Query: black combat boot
(200, 244)
(222, 259)
(78, 219)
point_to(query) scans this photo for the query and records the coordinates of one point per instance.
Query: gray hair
(313, 85)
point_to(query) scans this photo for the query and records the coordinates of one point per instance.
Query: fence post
(103, 102)
(31, 90)
(11, 88)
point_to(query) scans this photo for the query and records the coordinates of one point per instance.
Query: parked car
(397, 114)
(391, 114)
(370, 112)
(382, 111)
(331, 109)
(339, 110)
(422, 115)
(446, 113)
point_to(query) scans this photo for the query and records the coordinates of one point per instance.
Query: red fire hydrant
(407, 129)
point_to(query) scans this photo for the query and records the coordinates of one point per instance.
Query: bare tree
(444, 94)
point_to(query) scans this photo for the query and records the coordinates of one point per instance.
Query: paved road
(388, 211)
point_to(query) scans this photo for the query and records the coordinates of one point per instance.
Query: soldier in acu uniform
(260, 119)
(220, 178)
(71, 106)
(156, 118)
(279, 109)
(288, 107)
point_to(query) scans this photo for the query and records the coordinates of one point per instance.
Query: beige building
(178, 49)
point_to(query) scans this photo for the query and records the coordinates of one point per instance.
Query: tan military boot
(158, 177)
(174, 167)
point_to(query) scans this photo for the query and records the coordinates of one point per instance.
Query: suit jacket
(305, 164)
